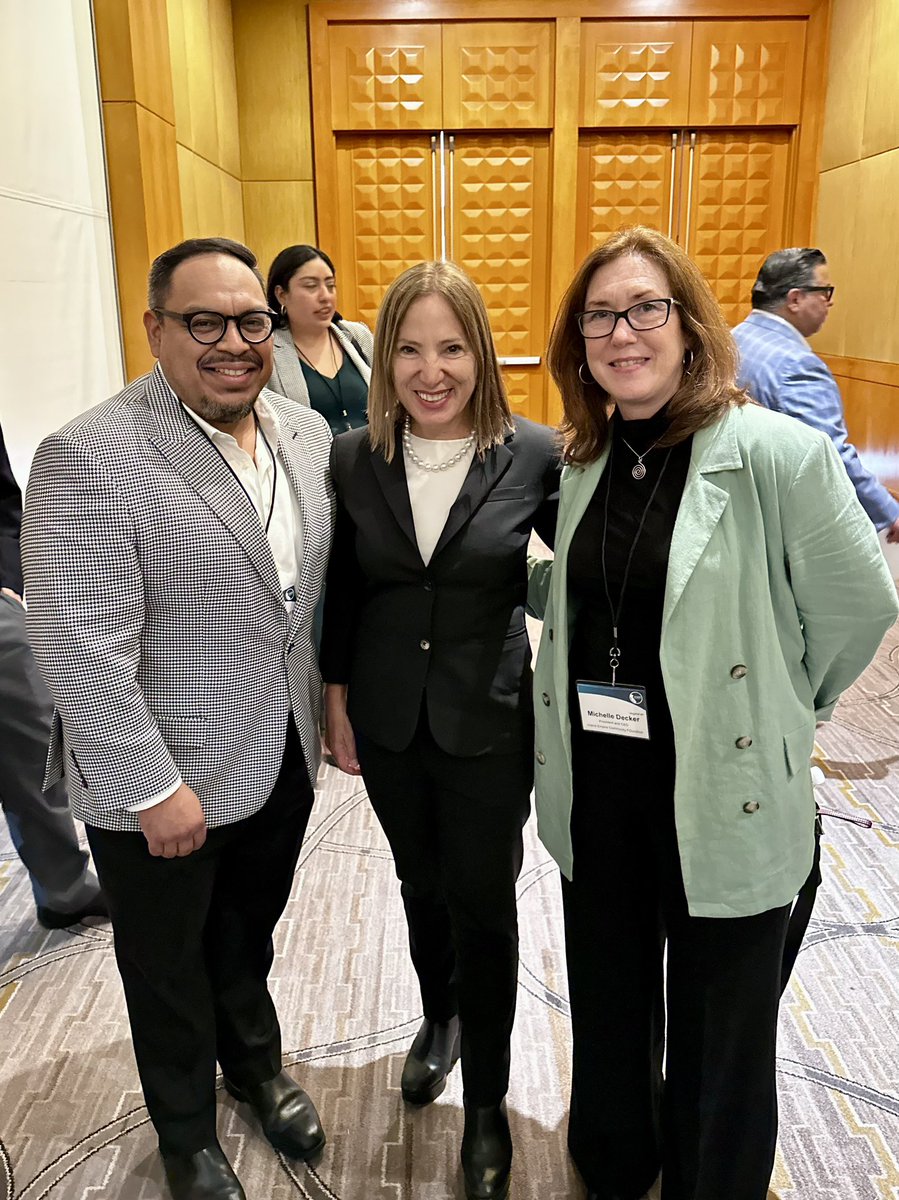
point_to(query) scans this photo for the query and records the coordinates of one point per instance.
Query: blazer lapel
(194, 456)
(287, 363)
(482, 477)
(391, 477)
(702, 504)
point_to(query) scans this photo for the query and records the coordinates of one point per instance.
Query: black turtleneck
(640, 622)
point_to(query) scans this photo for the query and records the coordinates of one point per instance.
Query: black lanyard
(615, 610)
(237, 479)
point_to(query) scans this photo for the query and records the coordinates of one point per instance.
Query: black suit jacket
(454, 630)
(10, 524)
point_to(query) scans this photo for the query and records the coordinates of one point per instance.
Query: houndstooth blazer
(155, 608)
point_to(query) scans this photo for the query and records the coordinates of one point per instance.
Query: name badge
(608, 708)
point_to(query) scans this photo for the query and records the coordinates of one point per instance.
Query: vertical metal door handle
(451, 195)
(671, 188)
(690, 189)
(434, 194)
(442, 195)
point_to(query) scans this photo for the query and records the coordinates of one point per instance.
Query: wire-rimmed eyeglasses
(647, 314)
(207, 328)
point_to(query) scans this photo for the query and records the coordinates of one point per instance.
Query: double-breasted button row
(738, 671)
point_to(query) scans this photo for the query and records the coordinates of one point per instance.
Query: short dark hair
(285, 266)
(782, 271)
(163, 267)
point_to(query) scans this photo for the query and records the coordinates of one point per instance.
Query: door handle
(434, 195)
(673, 181)
(690, 189)
(451, 195)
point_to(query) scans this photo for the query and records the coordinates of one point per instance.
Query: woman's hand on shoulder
(339, 737)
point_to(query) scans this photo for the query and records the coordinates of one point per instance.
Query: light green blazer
(773, 567)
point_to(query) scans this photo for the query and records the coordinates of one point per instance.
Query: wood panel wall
(856, 225)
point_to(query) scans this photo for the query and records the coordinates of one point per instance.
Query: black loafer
(486, 1152)
(206, 1175)
(52, 918)
(431, 1057)
(286, 1114)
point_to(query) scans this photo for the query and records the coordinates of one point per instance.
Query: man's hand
(13, 595)
(339, 736)
(893, 532)
(175, 827)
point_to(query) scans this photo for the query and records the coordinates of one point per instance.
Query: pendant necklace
(330, 381)
(638, 470)
(435, 466)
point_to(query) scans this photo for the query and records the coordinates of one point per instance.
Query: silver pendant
(638, 470)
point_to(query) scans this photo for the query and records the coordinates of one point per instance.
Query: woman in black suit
(427, 668)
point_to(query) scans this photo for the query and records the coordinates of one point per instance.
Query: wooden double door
(513, 146)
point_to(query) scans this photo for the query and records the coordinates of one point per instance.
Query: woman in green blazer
(716, 586)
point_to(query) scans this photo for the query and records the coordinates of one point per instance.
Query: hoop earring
(688, 360)
(283, 310)
(587, 382)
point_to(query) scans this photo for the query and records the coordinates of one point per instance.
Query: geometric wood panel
(747, 72)
(386, 216)
(738, 210)
(497, 75)
(500, 218)
(385, 77)
(623, 179)
(635, 73)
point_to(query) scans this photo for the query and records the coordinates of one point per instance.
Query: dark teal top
(343, 400)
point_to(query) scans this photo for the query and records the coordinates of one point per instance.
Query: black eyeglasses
(601, 322)
(207, 328)
(826, 290)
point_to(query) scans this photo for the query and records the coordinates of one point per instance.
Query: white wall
(60, 349)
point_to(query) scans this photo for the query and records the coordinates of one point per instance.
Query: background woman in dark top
(713, 565)
(426, 663)
(319, 358)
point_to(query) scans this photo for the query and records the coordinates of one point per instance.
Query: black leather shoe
(52, 918)
(286, 1114)
(486, 1152)
(431, 1057)
(206, 1175)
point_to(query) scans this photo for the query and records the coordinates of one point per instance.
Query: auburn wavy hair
(708, 385)
(491, 417)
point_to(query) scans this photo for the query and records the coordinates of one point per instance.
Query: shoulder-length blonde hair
(708, 384)
(491, 417)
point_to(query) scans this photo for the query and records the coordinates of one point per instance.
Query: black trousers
(193, 942)
(711, 1125)
(455, 828)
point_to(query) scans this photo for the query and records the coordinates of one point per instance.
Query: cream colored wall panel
(837, 196)
(271, 56)
(279, 214)
(872, 330)
(881, 130)
(847, 82)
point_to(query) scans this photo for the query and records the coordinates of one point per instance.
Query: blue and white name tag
(607, 708)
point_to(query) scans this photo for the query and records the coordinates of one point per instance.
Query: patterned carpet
(72, 1124)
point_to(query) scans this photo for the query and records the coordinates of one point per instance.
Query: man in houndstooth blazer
(174, 543)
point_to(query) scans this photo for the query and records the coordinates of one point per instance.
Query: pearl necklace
(427, 466)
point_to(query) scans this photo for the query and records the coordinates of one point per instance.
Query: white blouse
(433, 493)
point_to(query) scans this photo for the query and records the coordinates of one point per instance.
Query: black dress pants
(455, 828)
(193, 942)
(711, 1124)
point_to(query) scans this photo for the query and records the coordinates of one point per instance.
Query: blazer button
(751, 806)
(743, 743)
(541, 757)
(425, 644)
(546, 699)
(738, 671)
(429, 587)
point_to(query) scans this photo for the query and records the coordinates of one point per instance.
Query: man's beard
(223, 414)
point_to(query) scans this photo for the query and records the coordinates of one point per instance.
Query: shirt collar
(265, 414)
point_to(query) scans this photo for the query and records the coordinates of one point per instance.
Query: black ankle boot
(431, 1058)
(486, 1152)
